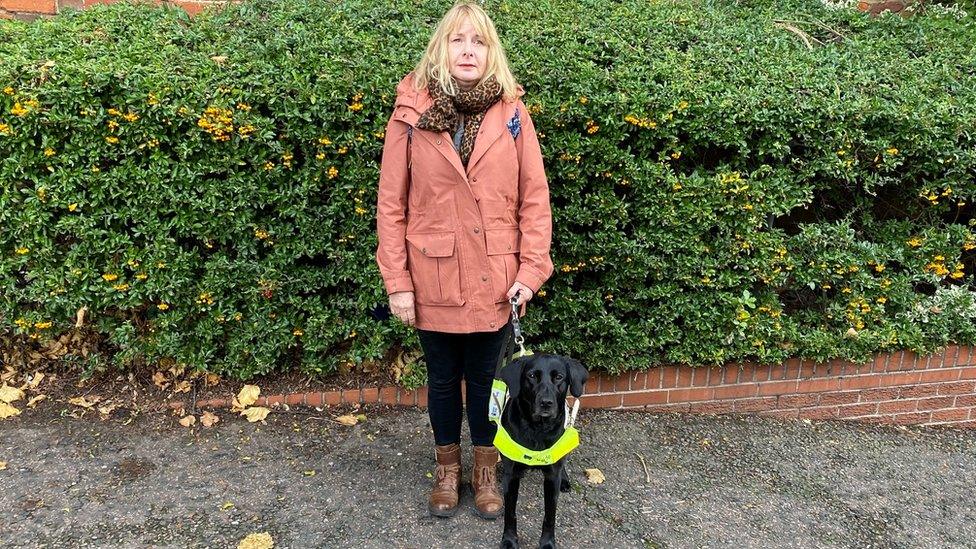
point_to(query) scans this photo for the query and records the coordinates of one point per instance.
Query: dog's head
(542, 380)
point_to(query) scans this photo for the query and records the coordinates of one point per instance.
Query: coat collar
(411, 103)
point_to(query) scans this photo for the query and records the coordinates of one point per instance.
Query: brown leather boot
(447, 480)
(487, 496)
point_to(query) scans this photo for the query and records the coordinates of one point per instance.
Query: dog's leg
(550, 489)
(510, 487)
(564, 484)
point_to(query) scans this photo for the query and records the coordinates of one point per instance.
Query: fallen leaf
(309, 473)
(212, 379)
(7, 410)
(248, 395)
(80, 317)
(595, 476)
(182, 387)
(227, 505)
(159, 380)
(9, 394)
(349, 420)
(3, 465)
(35, 380)
(188, 421)
(106, 410)
(256, 541)
(84, 402)
(255, 413)
(208, 419)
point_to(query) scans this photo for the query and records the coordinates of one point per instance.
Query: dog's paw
(564, 485)
(549, 543)
(509, 541)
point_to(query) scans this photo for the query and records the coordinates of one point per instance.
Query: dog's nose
(546, 404)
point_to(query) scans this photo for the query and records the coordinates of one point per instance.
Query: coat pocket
(434, 268)
(503, 258)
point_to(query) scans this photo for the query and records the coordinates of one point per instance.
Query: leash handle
(519, 339)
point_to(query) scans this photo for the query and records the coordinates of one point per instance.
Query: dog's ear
(577, 375)
(512, 376)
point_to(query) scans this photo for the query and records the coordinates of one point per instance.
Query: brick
(899, 378)
(351, 396)
(818, 385)
(742, 390)
(919, 391)
(777, 388)
(847, 397)
(371, 395)
(747, 372)
(763, 371)
(711, 407)
(730, 374)
(820, 412)
(689, 395)
(409, 398)
(966, 355)
(35, 6)
(668, 408)
(638, 380)
(858, 382)
(316, 399)
(948, 374)
(897, 364)
(600, 401)
(684, 377)
(797, 401)
(644, 398)
(912, 418)
(935, 403)
(716, 375)
(781, 414)
(855, 410)
(967, 373)
(953, 414)
(422, 397)
(295, 399)
(777, 372)
(793, 369)
(333, 398)
(807, 369)
(388, 395)
(897, 406)
(621, 382)
(964, 400)
(950, 356)
(958, 388)
(910, 360)
(886, 393)
(194, 8)
(699, 376)
(755, 404)
(669, 377)
(880, 362)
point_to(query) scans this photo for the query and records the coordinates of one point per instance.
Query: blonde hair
(434, 63)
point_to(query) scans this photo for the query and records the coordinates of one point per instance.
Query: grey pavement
(309, 482)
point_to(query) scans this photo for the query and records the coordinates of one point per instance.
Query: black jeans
(450, 357)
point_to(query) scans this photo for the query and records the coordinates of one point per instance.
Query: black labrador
(534, 417)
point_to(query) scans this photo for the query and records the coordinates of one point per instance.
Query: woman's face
(467, 52)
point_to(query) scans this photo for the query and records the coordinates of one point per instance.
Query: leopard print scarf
(443, 114)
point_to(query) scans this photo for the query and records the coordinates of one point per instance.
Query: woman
(463, 223)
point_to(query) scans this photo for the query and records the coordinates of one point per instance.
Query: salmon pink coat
(460, 238)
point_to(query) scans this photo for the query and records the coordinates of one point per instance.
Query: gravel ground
(310, 482)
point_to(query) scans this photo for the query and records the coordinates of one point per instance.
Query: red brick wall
(32, 9)
(896, 388)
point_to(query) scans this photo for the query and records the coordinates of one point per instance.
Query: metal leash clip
(517, 328)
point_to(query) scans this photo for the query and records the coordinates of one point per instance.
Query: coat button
(474, 179)
(438, 141)
(483, 277)
(509, 246)
(477, 230)
(492, 324)
(424, 250)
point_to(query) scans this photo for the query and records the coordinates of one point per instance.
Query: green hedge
(720, 190)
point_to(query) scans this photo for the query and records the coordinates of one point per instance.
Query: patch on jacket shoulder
(515, 124)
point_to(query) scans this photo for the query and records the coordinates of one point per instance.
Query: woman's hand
(525, 294)
(401, 305)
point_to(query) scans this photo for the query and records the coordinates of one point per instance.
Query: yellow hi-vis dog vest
(515, 451)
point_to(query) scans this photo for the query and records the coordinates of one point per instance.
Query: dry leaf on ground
(208, 419)
(188, 421)
(595, 476)
(248, 395)
(7, 410)
(348, 420)
(256, 541)
(255, 413)
(159, 380)
(182, 387)
(84, 402)
(3, 465)
(9, 394)
(34, 400)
